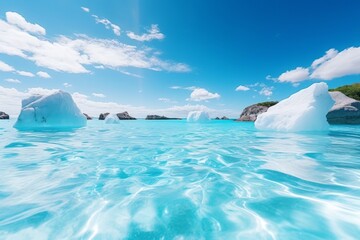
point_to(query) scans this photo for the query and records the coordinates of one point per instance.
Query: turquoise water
(175, 180)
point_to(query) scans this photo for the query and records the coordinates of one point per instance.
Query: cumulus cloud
(242, 88)
(331, 53)
(5, 67)
(344, 63)
(99, 95)
(43, 74)
(152, 33)
(12, 80)
(201, 94)
(108, 25)
(85, 9)
(296, 75)
(67, 85)
(25, 74)
(72, 55)
(19, 21)
(333, 64)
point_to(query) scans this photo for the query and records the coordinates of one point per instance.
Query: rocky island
(157, 117)
(4, 116)
(250, 113)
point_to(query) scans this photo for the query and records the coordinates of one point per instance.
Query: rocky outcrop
(125, 116)
(102, 116)
(345, 110)
(87, 116)
(223, 118)
(157, 117)
(250, 113)
(4, 115)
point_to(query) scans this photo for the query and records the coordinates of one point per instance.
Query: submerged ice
(303, 111)
(198, 116)
(56, 110)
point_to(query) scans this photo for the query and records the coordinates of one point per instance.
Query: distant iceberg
(112, 119)
(198, 116)
(303, 111)
(56, 110)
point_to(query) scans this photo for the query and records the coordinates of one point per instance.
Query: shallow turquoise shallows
(178, 180)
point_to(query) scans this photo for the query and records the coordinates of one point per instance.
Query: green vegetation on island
(267, 104)
(352, 91)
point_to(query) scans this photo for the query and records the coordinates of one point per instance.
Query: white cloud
(201, 94)
(43, 74)
(99, 95)
(333, 64)
(192, 88)
(344, 63)
(25, 74)
(67, 85)
(10, 99)
(19, 21)
(72, 55)
(331, 53)
(85, 9)
(5, 67)
(266, 91)
(242, 88)
(107, 24)
(166, 100)
(12, 80)
(152, 33)
(296, 75)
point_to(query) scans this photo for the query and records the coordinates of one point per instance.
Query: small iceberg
(56, 110)
(198, 116)
(112, 119)
(303, 111)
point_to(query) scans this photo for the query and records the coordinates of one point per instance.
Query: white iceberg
(112, 119)
(56, 110)
(303, 111)
(198, 116)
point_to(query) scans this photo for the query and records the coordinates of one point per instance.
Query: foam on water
(175, 180)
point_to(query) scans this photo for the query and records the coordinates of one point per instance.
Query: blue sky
(171, 57)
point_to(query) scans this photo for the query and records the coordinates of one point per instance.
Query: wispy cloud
(25, 74)
(108, 25)
(166, 100)
(43, 74)
(6, 67)
(192, 88)
(99, 95)
(201, 94)
(152, 33)
(67, 85)
(85, 9)
(242, 88)
(72, 55)
(19, 21)
(266, 91)
(12, 80)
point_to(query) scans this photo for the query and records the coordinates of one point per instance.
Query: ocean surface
(178, 180)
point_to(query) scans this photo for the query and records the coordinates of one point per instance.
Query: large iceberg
(56, 110)
(198, 116)
(303, 111)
